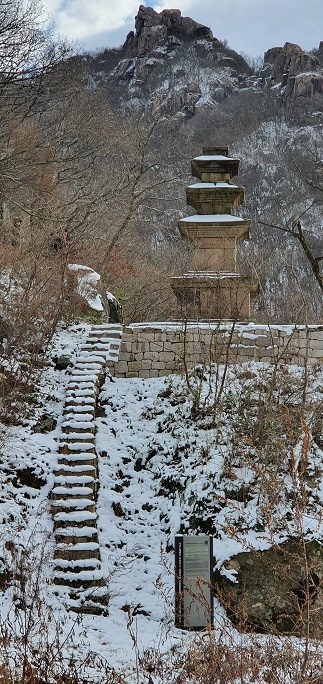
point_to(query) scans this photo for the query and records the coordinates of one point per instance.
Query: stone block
(177, 348)
(124, 356)
(316, 353)
(132, 374)
(172, 366)
(317, 335)
(317, 345)
(157, 365)
(166, 356)
(151, 356)
(134, 366)
(139, 356)
(144, 373)
(247, 341)
(125, 346)
(263, 341)
(121, 367)
(146, 364)
(156, 346)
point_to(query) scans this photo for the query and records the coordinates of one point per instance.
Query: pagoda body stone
(214, 289)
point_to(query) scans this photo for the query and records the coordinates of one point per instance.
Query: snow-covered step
(70, 482)
(69, 448)
(90, 358)
(81, 551)
(73, 492)
(76, 418)
(84, 363)
(84, 458)
(79, 480)
(76, 470)
(80, 429)
(74, 504)
(78, 392)
(77, 386)
(84, 578)
(75, 518)
(100, 348)
(72, 534)
(77, 565)
(80, 435)
(78, 424)
(86, 402)
(87, 407)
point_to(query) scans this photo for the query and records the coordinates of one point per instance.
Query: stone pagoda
(214, 290)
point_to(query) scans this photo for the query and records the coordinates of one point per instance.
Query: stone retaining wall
(152, 350)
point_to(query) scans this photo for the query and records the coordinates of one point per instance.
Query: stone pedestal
(209, 296)
(214, 290)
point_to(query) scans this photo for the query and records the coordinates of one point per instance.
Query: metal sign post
(193, 581)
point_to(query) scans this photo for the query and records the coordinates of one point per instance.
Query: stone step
(102, 347)
(72, 436)
(72, 534)
(73, 504)
(77, 392)
(79, 519)
(80, 409)
(96, 606)
(76, 566)
(91, 357)
(78, 417)
(88, 365)
(85, 403)
(81, 551)
(84, 578)
(104, 335)
(75, 470)
(72, 492)
(78, 459)
(80, 427)
(72, 447)
(78, 480)
(75, 384)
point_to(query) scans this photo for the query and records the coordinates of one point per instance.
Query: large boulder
(271, 590)
(88, 297)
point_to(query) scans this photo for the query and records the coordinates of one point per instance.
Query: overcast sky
(250, 26)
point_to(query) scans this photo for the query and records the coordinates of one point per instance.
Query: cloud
(81, 19)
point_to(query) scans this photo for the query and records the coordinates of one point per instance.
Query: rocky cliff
(173, 64)
(299, 73)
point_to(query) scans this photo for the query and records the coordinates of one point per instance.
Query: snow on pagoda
(214, 289)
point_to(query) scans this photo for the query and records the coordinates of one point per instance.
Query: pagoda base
(214, 296)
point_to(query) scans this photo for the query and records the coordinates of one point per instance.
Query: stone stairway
(77, 565)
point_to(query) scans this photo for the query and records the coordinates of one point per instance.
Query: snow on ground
(172, 458)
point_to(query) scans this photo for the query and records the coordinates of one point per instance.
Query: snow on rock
(87, 284)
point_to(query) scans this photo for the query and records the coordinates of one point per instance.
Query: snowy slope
(172, 458)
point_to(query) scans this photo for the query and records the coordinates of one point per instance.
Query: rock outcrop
(270, 591)
(153, 28)
(299, 72)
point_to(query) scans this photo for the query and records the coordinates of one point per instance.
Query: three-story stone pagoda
(214, 290)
